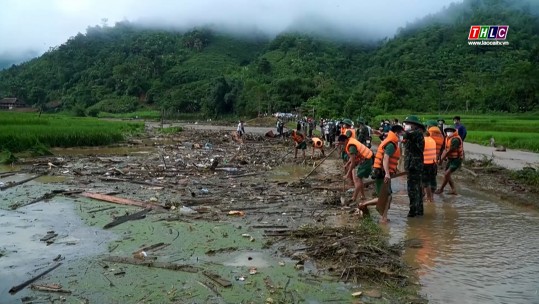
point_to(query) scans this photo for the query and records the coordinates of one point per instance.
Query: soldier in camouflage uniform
(414, 143)
(362, 132)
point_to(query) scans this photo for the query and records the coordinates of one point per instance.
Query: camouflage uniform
(413, 163)
(362, 134)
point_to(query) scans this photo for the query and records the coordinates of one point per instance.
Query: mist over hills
(428, 65)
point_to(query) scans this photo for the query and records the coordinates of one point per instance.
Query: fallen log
(120, 200)
(13, 184)
(20, 287)
(163, 265)
(122, 219)
(45, 196)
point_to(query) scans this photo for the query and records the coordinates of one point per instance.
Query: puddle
(290, 173)
(249, 259)
(25, 255)
(51, 179)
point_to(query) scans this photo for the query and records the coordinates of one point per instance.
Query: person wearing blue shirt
(461, 129)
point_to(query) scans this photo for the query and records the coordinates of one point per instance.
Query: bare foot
(438, 191)
(384, 221)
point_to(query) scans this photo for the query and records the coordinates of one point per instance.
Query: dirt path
(510, 159)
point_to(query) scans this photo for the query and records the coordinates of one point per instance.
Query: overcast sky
(36, 25)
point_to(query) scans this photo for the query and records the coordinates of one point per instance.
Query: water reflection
(471, 248)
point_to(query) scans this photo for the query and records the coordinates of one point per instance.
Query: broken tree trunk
(122, 219)
(163, 265)
(9, 185)
(120, 200)
(20, 287)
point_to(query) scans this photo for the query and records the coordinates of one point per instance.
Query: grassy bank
(23, 131)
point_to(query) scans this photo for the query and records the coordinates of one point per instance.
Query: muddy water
(24, 255)
(470, 248)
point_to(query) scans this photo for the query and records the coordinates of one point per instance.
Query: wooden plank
(119, 200)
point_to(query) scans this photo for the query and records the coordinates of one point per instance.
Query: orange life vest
(317, 142)
(393, 159)
(455, 153)
(343, 132)
(297, 137)
(438, 138)
(362, 150)
(429, 152)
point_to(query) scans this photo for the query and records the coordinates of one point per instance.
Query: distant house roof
(8, 101)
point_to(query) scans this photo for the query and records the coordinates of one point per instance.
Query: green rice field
(23, 131)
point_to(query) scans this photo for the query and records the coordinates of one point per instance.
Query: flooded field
(223, 237)
(226, 223)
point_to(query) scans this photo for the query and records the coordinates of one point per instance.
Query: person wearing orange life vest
(430, 167)
(436, 134)
(385, 164)
(346, 125)
(454, 152)
(299, 139)
(318, 144)
(360, 157)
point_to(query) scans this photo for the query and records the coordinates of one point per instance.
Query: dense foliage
(428, 66)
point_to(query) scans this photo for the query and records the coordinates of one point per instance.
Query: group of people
(422, 146)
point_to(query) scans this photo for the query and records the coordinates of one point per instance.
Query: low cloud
(37, 25)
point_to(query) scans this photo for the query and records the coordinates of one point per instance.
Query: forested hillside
(428, 66)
